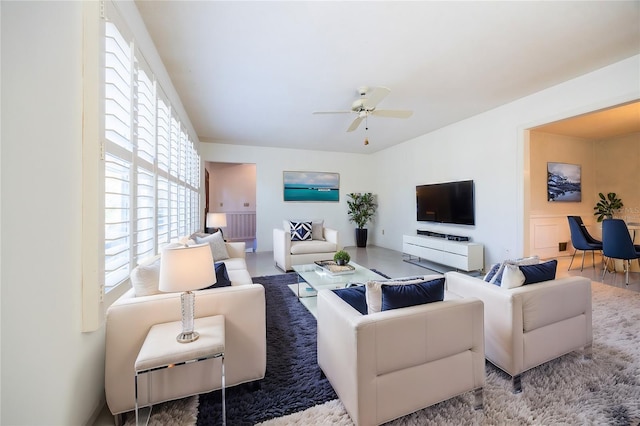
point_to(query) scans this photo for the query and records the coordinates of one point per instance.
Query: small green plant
(607, 206)
(341, 257)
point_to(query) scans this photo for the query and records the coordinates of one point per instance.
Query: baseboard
(98, 410)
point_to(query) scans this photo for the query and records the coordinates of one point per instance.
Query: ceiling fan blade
(332, 112)
(376, 95)
(393, 113)
(355, 124)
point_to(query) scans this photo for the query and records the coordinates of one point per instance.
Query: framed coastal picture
(563, 182)
(311, 186)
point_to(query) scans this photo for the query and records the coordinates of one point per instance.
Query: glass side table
(161, 350)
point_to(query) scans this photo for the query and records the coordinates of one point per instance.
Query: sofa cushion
(145, 279)
(301, 231)
(538, 273)
(402, 296)
(355, 297)
(216, 242)
(312, 246)
(374, 291)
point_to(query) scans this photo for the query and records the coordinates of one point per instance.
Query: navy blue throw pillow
(402, 296)
(354, 296)
(222, 277)
(538, 273)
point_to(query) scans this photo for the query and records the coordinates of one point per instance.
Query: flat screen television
(448, 202)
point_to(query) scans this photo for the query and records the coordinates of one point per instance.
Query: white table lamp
(216, 220)
(185, 269)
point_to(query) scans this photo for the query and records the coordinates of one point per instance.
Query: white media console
(462, 255)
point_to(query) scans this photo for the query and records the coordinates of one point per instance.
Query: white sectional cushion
(312, 246)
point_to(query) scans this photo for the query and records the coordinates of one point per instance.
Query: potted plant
(607, 206)
(362, 207)
(341, 257)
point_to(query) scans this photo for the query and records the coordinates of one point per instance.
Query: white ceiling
(252, 73)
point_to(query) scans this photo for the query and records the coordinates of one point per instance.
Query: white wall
(232, 187)
(51, 372)
(489, 148)
(270, 206)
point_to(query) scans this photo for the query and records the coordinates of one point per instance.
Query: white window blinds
(150, 164)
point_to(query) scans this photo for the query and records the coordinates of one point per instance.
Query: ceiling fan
(366, 106)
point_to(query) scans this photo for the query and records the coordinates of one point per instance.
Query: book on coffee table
(333, 268)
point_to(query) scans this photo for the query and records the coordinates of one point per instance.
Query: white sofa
(530, 325)
(388, 364)
(287, 253)
(129, 318)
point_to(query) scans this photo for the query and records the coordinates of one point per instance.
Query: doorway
(232, 190)
(604, 146)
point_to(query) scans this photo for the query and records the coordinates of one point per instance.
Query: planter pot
(361, 237)
(341, 262)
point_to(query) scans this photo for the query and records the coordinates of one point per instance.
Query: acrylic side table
(161, 350)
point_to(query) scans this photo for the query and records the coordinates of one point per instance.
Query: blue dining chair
(582, 240)
(617, 244)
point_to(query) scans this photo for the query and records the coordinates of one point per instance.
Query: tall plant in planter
(362, 207)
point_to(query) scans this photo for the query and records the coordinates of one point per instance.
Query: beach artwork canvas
(311, 186)
(563, 182)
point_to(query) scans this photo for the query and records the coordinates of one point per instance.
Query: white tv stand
(461, 255)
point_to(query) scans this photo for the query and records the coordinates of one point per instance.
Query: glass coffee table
(312, 278)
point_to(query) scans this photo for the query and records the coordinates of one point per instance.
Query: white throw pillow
(512, 277)
(218, 247)
(145, 279)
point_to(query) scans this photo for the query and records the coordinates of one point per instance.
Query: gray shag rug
(604, 390)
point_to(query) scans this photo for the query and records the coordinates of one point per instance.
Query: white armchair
(287, 253)
(530, 325)
(388, 364)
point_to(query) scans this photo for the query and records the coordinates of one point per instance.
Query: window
(151, 166)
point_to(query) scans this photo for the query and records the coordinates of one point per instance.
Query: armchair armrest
(282, 248)
(332, 236)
